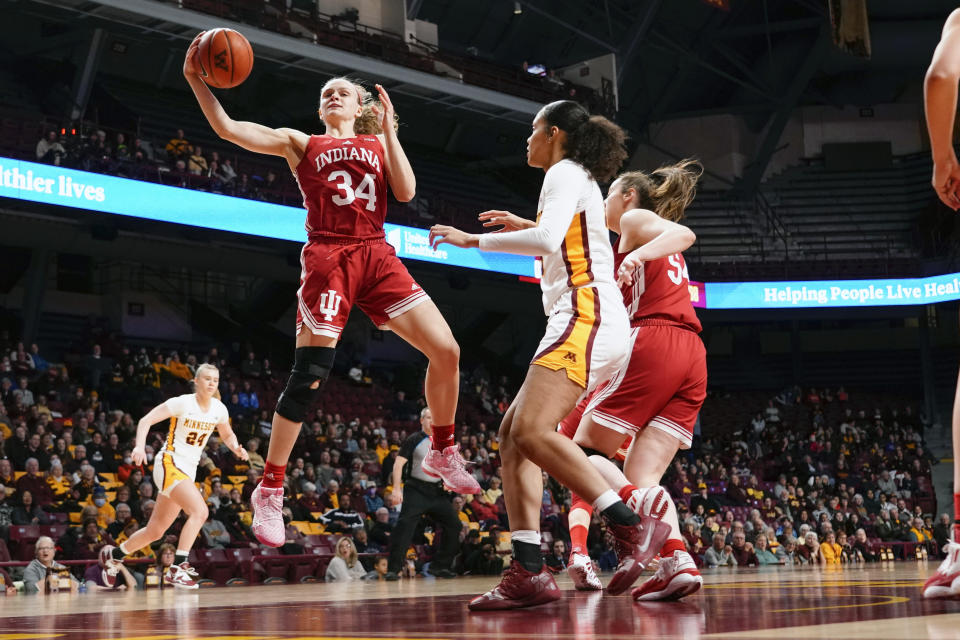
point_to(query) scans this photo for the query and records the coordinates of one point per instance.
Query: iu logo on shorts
(329, 304)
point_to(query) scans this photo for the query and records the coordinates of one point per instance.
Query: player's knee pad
(592, 452)
(310, 365)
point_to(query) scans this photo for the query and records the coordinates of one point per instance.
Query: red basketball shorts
(663, 386)
(335, 276)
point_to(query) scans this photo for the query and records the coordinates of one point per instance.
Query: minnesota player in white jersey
(193, 417)
(586, 343)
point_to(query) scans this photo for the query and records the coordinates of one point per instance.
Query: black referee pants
(425, 498)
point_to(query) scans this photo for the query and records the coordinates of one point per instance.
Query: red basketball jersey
(343, 187)
(660, 291)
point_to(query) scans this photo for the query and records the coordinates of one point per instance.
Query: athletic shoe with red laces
(636, 546)
(518, 588)
(946, 581)
(268, 515)
(448, 466)
(181, 576)
(581, 571)
(676, 577)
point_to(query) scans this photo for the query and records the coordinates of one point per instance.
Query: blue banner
(79, 189)
(109, 194)
(833, 293)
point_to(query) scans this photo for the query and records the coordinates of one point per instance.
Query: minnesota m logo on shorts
(571, 336)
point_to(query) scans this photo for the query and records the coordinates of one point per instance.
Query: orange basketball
(225, 58)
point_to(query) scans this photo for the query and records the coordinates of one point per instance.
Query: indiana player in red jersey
(940, 102)
(654, 400)
(343, 176)
(657, 396)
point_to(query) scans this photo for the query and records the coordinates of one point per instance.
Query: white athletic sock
(605, 499)
(525, 535)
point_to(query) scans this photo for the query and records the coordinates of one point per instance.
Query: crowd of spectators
(810, 478)
(179, 163)
(66, 437)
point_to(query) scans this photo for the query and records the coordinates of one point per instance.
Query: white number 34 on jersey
(366, 190)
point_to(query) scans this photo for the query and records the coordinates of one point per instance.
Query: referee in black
(421, 495)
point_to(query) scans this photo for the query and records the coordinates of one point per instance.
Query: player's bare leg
(313, 360)
(180, 574)
(648, 457)
(424, 328)
(164, 515)
(528, 437)
(580, 567)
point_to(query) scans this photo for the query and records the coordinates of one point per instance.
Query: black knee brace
(592, 452)
(310, 364)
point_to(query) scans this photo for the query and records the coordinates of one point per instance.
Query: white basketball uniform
(190, 428)
(588, 333)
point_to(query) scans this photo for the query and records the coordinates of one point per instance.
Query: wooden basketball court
(872, 602)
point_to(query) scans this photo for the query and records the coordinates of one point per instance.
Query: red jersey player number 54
(678, 273)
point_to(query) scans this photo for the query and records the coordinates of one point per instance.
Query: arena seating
(853, 214)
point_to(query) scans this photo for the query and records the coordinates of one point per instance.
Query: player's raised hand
(384, 111)
(505, 220)
(190, 65)
(946, 181)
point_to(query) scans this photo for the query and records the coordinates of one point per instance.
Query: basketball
(225, 58)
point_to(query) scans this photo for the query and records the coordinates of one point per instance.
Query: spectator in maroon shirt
(736, 496)
(743, 551)
(310, 501)
(35, 483)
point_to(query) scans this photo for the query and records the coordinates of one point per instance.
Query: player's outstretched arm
(287, 143)
(157, 414)
(940, 103)
(647, 236)
(229, 438)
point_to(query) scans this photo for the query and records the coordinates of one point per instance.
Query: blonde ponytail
(667, 191)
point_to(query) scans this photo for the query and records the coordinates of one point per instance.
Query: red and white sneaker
(110, 566)
(636, 546)
(946, 581)
(581, 571)
(268, 515)
(651, 503)
(448, 465)
(518, 588)
(676, 577)
(181, 576)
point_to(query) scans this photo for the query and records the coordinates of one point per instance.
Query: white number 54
(679, 273)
